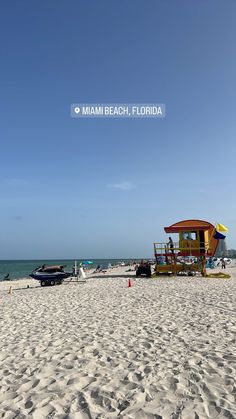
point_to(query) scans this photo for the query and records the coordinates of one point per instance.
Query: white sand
(164, 348)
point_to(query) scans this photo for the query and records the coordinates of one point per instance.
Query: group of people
(170, 246)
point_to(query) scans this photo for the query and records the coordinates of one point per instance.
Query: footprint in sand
(28, 404)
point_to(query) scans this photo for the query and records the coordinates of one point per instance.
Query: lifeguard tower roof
(189, 225)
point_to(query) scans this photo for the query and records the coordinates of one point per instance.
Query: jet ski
(50, 275)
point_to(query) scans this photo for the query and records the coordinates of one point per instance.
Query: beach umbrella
(87, 262)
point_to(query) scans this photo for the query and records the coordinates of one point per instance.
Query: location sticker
(118, 110)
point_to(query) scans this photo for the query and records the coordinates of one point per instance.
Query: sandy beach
(164, 348)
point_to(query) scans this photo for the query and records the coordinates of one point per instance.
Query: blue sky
(106, 188)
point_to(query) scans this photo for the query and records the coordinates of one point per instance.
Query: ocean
(22, 268)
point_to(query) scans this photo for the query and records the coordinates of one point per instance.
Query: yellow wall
(188, 244)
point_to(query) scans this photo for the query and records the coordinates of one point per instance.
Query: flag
(221, 227)
(219, 236)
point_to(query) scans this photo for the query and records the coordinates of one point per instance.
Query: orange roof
(188, 225)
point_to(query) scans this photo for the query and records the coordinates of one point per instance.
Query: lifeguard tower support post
(196, 240)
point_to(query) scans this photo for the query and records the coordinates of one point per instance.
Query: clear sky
(106, 188)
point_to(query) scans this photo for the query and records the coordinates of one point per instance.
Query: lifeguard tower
(196, 243)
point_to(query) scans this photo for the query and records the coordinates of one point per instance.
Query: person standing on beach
(171, 245)
(223, 264)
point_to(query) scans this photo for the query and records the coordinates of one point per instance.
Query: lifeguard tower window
(190, 235)
(202, 241)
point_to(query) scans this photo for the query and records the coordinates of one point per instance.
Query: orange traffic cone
(130, 283)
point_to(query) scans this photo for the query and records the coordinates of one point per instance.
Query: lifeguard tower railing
(163, 249)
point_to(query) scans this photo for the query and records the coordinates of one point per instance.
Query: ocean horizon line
(78, 258)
